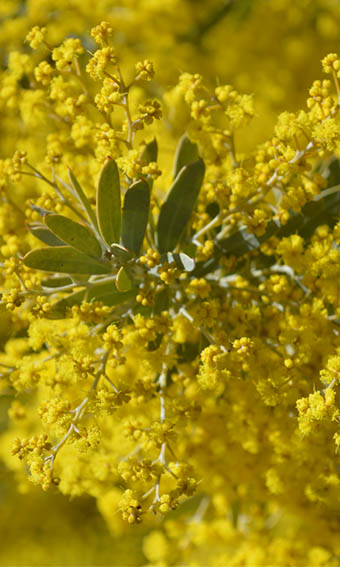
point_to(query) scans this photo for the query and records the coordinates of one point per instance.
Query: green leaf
(135, 215)
(105, 292)
(186, 152)
(42, 212)
(182, 261)
(41, 232)
(207, 267)
(108, 203)
(123, 281)
(322, 210)
(83, 199)
(162, 301)
(74, 234)
(242, 241)
(64, 259)
(149, 152)
(59, 308)
(56, 282)
(239, 243)
(177, 209)
(187, 352)
(121, 254)
(333, 173)
(108, 294)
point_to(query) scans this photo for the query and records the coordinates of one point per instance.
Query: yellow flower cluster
(189, 380)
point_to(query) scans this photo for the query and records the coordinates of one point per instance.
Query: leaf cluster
(100, 254)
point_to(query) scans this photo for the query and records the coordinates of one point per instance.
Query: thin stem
(215, 221)
(125, 104)
(66, 202)
(78, 413)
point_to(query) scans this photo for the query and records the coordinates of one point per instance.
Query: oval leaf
(242, 241)
(177, 209)
(74, 234)
(108, 203)
(55, 282)
(83, 200)
(64, 259)
(149, 152)
(123, 281)
(135, 215)
(108, 294)
(333, 173)
(45, 235)
(186, 152)
(162, 301)
(239, 243)
(59, 308)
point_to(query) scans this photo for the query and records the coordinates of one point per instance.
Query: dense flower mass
(170, 282)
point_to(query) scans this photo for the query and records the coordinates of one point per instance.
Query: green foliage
(74, 234)
(324, 209)
(150, 152)
(60, 307)
(123, 281)
(242, 241)
(108, 293)
(178, 206)
(148, 155)
(84, 254)
(56, 281)
(186, 152)
(82, 199)
(111, 270)
(182, 261)
(135, 215)
(108, 203)
(43, 234)
(65, 259)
